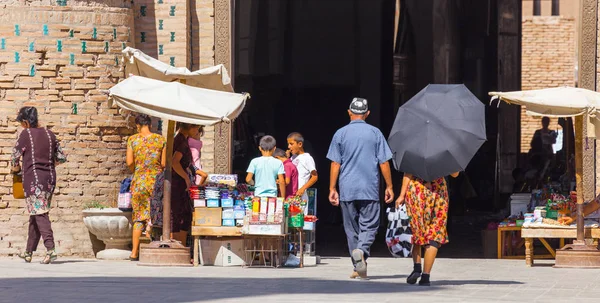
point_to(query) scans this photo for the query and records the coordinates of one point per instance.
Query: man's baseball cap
(359, 106)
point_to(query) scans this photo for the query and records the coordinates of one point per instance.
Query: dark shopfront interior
(303, 61)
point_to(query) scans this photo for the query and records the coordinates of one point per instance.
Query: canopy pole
(579, 120)
(167, 184)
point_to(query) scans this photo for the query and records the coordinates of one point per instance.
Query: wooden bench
(528, 234)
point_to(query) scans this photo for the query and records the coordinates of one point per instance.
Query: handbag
(398, 236)
(124, 201)
(18, 192)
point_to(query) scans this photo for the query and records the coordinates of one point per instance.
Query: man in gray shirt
(356, 152)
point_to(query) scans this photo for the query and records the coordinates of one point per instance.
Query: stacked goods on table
(265, 216)
(221, 202)
(546, 206)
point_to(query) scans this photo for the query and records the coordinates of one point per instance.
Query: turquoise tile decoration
(172, 61)
(94, 33)
(160, 24)
(83, 46)
(74, 109)
(143, 10)
(31, 46)
(17, 30)
(160, 49)
(3, 43)
(17, 57)
(45, 30)
(172, 36)
(116, 60)
(61, 2)
(123, 45)
(72, 59)
(114, 33)
(172, 11)
(106, 46)
(143, 36)
(160, 1)
(32, 70)
(71, 33)
(59, 46)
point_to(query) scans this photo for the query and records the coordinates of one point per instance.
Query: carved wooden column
(223, 55)
(587, 79)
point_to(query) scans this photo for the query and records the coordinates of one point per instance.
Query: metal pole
(167, 190)
(579, 120)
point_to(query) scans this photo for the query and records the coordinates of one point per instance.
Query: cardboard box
(213, 203)
(228, 222)
(227, 202)
(227, 214)
(200, 203)
(223, 251)
(204, 216)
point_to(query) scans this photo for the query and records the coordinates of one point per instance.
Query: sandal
(50, 257)
(26, 256)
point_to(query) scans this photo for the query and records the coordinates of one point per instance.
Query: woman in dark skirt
(181, 204)
(41, 152)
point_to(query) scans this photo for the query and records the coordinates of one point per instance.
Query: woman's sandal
(50, 257)
(26, 256)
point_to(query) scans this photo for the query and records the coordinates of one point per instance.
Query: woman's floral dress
(40, 151)
(147, 153)
(428, 210)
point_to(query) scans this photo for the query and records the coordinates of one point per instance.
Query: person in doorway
(181, 204)
(291, 173)
(40, 152)
(307, 171)
(267, 171)
(428, 210)
(357, 152)
(542, 141)
(195, 143)
(146, 158)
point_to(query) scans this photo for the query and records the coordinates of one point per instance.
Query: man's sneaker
(360, 267)
(413, 277)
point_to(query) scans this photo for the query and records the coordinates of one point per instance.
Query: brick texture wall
(59, 59)
(548, 60)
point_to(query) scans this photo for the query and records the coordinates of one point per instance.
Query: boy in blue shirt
(266, 170)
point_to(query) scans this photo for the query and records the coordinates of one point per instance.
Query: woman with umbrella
(435, 134)
(428, 210)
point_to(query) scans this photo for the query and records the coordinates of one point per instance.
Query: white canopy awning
(139, 64)
(557, 102)
(177, 101)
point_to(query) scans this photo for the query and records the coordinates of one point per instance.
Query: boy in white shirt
(307, 171)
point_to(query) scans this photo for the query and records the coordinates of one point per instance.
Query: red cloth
(292, 172)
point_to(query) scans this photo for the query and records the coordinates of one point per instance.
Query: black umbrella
(438, 131)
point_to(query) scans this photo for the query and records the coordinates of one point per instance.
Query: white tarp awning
(140, 64)
(557, 102)
(177, 101)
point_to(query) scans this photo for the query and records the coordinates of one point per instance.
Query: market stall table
(529, 233)
(508, 230)
(210, 231)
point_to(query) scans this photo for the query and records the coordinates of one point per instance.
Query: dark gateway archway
(303, 61)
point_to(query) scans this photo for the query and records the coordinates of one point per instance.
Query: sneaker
(358, 256)
(413, 277)
(50, 257)
(27, 256)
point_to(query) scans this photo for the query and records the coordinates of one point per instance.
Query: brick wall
(59, 59)
(548, 60)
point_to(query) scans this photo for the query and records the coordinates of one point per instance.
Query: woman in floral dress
(146, 157)
(427, 206)
(41, 152)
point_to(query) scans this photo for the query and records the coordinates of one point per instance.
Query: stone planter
(113, 227)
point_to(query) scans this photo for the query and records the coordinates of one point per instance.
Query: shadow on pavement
(164, 289)
(472, 282)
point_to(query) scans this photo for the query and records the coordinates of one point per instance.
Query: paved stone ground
(454, 280)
